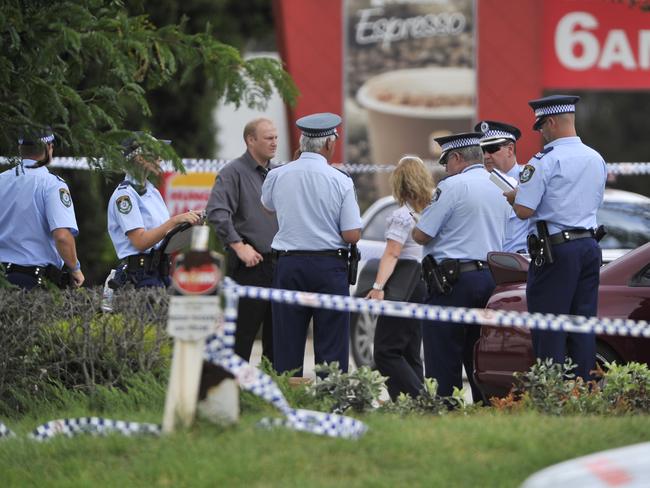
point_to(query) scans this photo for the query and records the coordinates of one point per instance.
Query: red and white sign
(185, 192)
(198, 280)
(595, 44)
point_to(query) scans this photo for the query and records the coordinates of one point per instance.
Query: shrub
(428, 401)
(340, 391)
(626, 388)
(62, 338)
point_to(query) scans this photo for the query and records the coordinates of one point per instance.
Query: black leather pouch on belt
(435, 277)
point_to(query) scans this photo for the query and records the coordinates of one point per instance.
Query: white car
(625, 215)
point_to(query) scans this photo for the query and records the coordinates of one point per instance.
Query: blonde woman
(397, 340)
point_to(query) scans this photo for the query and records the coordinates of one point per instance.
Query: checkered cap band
(494, 134)
(554, 109)
(458, 143)
(322, 133)
(45, 139)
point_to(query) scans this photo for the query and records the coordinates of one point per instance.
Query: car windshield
(628, 224)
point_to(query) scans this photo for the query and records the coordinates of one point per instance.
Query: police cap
(552, 105)
(319, 125)
(131, 145)
(457, 141)
(34, 136)
(496, 132)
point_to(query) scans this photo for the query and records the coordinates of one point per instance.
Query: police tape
(215, 165)
(219, 350)
(497, 318)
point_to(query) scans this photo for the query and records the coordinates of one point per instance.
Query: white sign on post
(191, 319)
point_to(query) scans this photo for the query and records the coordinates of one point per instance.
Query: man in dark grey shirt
(246, 230)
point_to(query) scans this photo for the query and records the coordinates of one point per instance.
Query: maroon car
(624, 292)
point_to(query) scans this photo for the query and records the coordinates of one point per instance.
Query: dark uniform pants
(316, 274)
(447, 345)
(568, 286)
(397, 349)
(141, 278)
(251, 312)
(22, 280)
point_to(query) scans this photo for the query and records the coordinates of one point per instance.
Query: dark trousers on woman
(397, 349)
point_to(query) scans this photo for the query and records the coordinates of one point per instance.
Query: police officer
(318, 217)
(37, 219)
(465, 220)
(560, 191)
(246, 230)
(138, 220)
(500, 154)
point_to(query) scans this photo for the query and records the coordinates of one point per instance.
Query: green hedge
(63, 338)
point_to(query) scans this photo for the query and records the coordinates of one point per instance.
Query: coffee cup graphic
(405, 107)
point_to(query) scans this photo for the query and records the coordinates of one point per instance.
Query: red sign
(198, 280)
(595, 44)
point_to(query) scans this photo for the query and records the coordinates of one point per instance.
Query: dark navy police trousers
(568, 286)
(449, 346)
(315, 274)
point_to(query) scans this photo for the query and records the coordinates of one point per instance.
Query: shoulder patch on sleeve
(124, 204)
(542, 153)
(436, 195)
(65, 197)
(526, 173)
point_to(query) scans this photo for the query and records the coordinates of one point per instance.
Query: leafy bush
(553, 389)
(62, 338)
(340, 391)
(626, 388)
(428, 401)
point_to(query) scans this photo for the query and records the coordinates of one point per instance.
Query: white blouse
(399, 226)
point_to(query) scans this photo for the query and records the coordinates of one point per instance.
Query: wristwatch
(377, 286)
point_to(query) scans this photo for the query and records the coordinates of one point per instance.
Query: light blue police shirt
(128, 210)
(466, 218)
(516, 229)
(564, 184)
(34, 203)
(314, 203)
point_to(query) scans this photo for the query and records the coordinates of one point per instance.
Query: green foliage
(81, 66)
(626, 387)
(553, 389)
(63, 339)
(340, 391)
(428, 401)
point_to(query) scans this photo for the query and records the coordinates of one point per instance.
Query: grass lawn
(485, 449)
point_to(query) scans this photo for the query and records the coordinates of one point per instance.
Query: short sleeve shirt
(314, 203)
(34, 204)
(564, 184)
(399, 226)
(466, 218)
(129, 210)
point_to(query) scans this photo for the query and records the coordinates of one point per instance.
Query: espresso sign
(409, 73)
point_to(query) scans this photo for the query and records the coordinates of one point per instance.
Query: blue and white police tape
(5, 431)
(219, 351)
(92, 425)
(215, 165)
(499, 318)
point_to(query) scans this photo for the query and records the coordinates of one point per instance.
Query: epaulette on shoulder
(544, 152)
(59, 178)
(342, 171)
